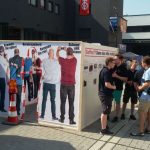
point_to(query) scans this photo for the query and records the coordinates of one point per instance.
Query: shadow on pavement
(9, 142)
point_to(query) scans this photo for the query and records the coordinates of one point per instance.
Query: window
(50, 6)
(32, 2)
(57, 9)
(43, 3)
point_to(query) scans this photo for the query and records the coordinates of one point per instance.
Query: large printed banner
(42, 49)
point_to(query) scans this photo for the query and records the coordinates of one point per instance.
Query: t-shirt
(68, 69)
(137, 78)
(105, 76)
(36, 62)
(145, 78)
(51, 71)
(3, 67)
(121, 71)
(15, 72)
(27, 66)
(130, 76)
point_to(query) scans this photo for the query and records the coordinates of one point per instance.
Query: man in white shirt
(3, 78)
(51, 76)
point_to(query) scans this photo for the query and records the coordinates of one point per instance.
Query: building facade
(59, 20)
(137, 38)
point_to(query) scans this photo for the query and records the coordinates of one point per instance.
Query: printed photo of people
(45, 75)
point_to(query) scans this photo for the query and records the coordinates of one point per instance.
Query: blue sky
(136, 7)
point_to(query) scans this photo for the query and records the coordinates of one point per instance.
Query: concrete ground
(30, 136)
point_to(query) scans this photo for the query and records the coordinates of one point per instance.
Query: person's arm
(115, 75)
(110, 86)
(144, 86)
(57, 53)
(107, 80)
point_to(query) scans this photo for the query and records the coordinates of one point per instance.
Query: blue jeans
(47, 87)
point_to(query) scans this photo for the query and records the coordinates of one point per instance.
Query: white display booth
(90, 60)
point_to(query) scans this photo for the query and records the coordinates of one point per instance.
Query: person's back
(68, 69)
(15, 68)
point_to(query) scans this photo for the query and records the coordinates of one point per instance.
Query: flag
(84, 7)
(113, 24)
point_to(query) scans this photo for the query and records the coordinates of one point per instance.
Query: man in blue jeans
(51, 77)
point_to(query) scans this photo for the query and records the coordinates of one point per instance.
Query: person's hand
(114, 75)
(65, 48)
(129, 82)
(114, 87)
(139, 88)
(59, 48)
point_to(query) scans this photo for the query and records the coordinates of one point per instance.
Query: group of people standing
(111, 82)
(17, 68)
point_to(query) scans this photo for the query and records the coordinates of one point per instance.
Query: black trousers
(30, 88)
(36, 82)
(2, 92)
(18, 100)
(64, 92)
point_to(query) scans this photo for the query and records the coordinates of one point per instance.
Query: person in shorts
(119, 76)
(106, 88)
(144, 103)
(130, 91)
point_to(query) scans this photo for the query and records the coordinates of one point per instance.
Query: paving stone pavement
(31, 136)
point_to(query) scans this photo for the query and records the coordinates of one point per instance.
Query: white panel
(138, 20)
(139, 35)
(93, 60)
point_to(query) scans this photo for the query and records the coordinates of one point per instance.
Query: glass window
(32, 2)
(50, 6)
(42, 3)
(57, 9)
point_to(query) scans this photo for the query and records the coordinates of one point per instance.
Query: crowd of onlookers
(114, 75)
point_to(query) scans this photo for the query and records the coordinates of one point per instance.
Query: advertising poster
(41, 50)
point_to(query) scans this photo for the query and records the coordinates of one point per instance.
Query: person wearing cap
(4, 68)
(67, 88)
(15, 65)
(36, 72)
(51, 76)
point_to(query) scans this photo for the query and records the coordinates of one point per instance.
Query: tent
(130, 55)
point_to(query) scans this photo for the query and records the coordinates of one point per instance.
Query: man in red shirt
(67, 88)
